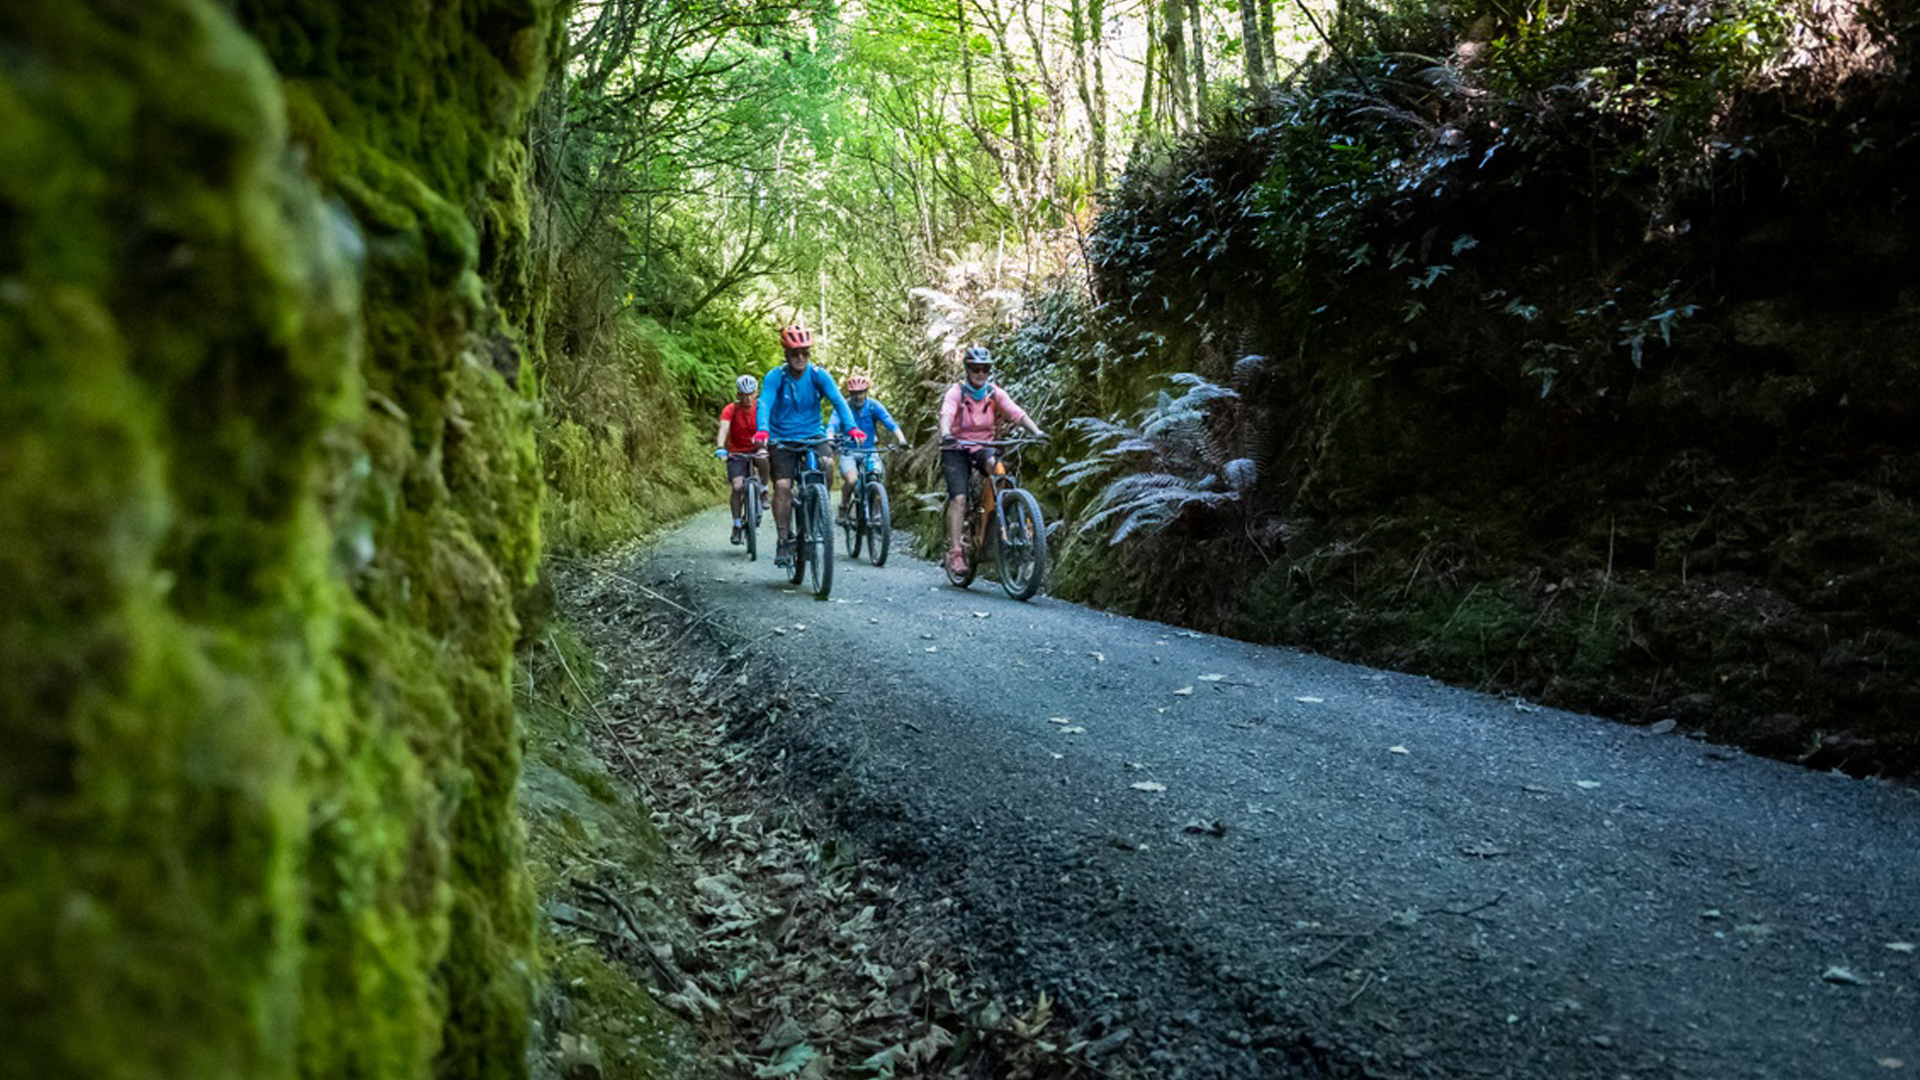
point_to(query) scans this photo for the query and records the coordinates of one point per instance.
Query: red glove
(857, 435)
(760, 438)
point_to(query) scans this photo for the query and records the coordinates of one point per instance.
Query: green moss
(254, 663)
(631, 458)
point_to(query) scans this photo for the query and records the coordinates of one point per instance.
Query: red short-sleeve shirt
(740, 427)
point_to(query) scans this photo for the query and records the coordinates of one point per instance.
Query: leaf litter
(780, 947)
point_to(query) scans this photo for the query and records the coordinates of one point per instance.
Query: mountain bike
(1002, 513)
(812, 521)
(750, 493)
(870, 521)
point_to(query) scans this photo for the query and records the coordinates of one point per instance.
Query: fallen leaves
(758, 925)
(789, 1063)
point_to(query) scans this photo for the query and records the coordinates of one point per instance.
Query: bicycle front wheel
(1023, 544)
(879, 524)
(750, 518)
(818, 541)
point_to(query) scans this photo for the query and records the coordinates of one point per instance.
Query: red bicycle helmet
(796, 337)
(857, 384)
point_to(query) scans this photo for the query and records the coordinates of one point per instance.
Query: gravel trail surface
(1258, 862)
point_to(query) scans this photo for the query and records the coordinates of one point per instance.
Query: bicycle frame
(1004, 476)
(809, 519)
(866, 464)
(750, 489)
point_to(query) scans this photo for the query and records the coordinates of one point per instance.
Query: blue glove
(720, 451)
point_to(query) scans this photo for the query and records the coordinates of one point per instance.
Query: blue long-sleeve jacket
(870, 418)
(790, 406)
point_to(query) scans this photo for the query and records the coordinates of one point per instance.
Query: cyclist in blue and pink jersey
(973, 410)
(790, 399)
(869, 416)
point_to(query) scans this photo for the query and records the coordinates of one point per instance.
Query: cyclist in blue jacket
(869, 416)
(790, 399)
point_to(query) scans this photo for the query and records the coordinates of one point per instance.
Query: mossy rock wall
(270, 490)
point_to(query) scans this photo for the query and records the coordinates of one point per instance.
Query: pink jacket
(970, 419)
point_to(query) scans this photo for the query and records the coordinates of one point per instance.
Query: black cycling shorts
(737, 466)
(787, 463)
(957, 462)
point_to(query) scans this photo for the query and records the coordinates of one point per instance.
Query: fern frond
(1240, 474)
(1136, 522)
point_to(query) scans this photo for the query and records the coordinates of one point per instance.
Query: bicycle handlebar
(993, 444)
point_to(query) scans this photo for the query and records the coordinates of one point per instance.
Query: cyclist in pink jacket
(972, 411)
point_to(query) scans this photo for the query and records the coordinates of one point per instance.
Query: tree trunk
(1256, 49)
(1097, 25)
(1143, 121)
(1270, 45)
(1093, 92)
(1196, 38)
(1174, 71)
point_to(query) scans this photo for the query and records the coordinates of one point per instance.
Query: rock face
(270, 491)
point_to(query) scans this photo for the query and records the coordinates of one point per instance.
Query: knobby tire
(853, 529)
(750, 517)
(879, 524)
(818, 540)
(1022, 544)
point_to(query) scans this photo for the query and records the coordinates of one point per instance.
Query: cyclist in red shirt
(735, 436)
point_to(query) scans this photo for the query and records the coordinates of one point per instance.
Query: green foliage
(624, 454)
(1516, 264)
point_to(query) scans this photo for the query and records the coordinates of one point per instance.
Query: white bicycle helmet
(746, 384)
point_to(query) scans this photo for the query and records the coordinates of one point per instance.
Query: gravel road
(1260, 862)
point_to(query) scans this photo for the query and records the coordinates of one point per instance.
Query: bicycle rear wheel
(853, 529)
(818, 540)
(879, 524)
(797, 530)
(1022, 544)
